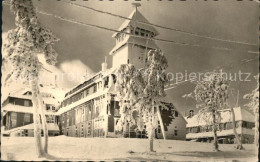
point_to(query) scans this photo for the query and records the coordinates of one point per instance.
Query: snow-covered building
(17, 111)
(91, 109)
(197, 128)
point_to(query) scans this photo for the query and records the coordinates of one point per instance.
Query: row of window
(142, 32)
(28, 103)
(27, 119)
(138, 31)
(83, 85)
(13, 120)
(50, 107)
(81, 114)
(79, 96)
(221, 126)
(90, 90)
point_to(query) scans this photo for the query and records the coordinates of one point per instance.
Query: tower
(131, 49)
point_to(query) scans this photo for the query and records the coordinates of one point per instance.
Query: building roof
(226, 116)
(53, 97)
(137, 41)
(136, 15)
(78, 88)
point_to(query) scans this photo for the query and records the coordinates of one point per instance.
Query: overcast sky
(83, 48)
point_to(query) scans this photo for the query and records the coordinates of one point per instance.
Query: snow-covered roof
(51, 127)
(83, 100)
(22, 109)
(137, 41)
(104, 74)
(226, 116)
(136, 15)
(56, 92)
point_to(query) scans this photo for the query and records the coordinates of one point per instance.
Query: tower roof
(136, 15)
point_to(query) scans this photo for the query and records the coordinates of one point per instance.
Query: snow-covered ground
(70, 148)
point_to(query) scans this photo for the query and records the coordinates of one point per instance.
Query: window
(159, 129)
(142, 34)
(13, 119)
(53, 108)
(86, 92)
(48, 107)
(136, 32)
(198, 130)
(27, 118)
(50, 119)
(95, 88)
(26, 132)
(175, 133)
(207, 128)
(225, 126)
(26, 103)
(68, 119)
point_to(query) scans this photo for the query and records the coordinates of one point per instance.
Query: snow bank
(75, 149)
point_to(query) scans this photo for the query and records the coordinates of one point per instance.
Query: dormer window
(26, 103)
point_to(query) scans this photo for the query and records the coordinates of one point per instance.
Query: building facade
(197, 128)
(91, 109)
(17, 113)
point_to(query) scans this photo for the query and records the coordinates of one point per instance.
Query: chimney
(104, 65)
(191, 113)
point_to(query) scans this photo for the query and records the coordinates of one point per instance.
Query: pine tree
(254, 106)
(211, 93)
(23, 45)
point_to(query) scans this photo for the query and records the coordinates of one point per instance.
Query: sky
(82, 49)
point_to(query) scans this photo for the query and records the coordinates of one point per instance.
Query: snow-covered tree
(23, 45)
(130, 86)
(238, 140)
(211, 93)
(155, 80)
(254, 106)
(141, 91)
